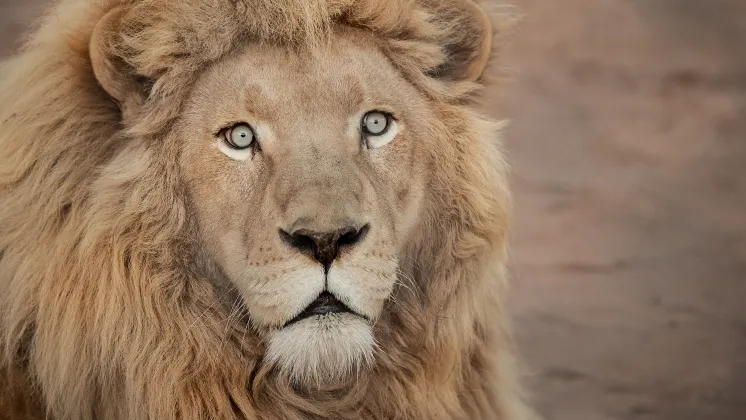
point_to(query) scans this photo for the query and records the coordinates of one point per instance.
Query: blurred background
(628, 142)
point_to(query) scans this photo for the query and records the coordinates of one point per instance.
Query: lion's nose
(324, 246)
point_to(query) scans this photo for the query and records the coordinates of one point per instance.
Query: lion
(254, 209)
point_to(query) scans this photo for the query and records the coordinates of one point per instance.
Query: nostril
(298, 240)
(351, 236)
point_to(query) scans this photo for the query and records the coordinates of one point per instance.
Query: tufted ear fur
(112, 72)
(470, 42)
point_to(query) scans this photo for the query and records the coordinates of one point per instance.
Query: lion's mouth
(326, 303)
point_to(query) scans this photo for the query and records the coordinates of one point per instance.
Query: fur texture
(109, 306)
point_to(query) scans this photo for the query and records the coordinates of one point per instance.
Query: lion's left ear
(470, 42)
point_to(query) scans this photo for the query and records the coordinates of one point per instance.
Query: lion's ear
(112, 72)
(470, 43)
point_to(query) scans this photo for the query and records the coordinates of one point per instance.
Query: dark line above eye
(228, 126)
(226, 134)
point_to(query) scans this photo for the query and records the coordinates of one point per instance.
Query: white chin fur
(322, 348)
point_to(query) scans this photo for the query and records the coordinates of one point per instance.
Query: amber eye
(240, 136)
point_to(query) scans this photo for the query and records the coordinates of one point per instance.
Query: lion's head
(306, 173)
(270, 196)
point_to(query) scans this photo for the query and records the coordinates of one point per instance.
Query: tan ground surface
(629, 146)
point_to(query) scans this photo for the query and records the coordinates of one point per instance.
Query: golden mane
(104, 313)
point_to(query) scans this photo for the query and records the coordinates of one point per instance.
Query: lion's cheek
(363, 288)
(275, 296)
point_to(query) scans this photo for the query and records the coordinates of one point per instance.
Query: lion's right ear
(112, 72)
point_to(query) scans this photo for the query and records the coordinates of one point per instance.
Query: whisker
(230, 288)
(414, 264)
(413, 286)
(235, 310)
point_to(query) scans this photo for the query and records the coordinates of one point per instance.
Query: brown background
(628, 140)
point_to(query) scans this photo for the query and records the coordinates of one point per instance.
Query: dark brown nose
(324, 246)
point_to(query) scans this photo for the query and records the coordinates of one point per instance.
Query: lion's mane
(103, 311)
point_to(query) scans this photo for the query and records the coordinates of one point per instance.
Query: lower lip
(298, 319)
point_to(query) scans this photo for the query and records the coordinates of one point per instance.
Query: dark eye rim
(389, 119)
(224, 132)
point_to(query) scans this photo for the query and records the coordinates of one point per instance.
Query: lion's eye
(378, 128)
(240, 136)
(376, 123)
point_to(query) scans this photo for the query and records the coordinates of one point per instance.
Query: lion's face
(306, 174)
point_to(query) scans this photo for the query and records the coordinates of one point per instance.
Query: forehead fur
(330, 83)
(168, 42)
